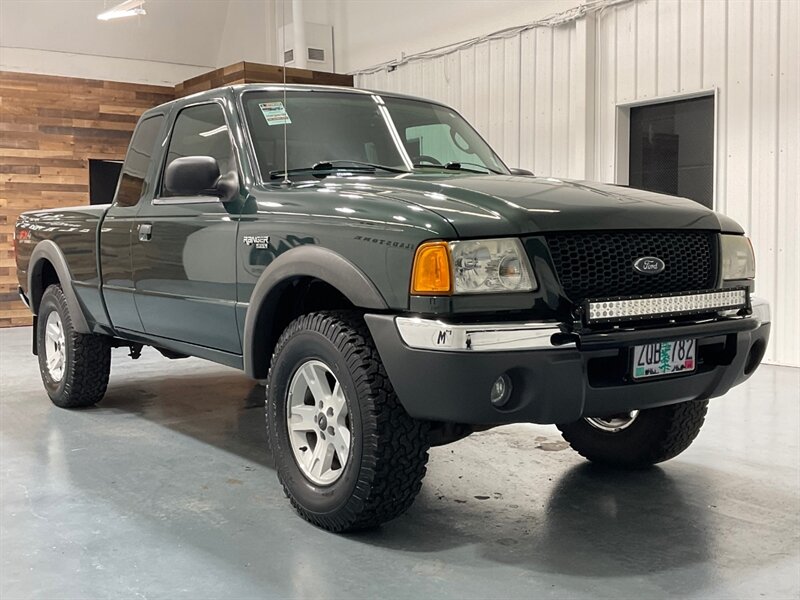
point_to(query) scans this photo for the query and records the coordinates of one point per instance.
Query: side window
(132, 179)
(201, 131)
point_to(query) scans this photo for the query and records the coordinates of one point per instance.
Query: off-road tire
(88, 357)
(389, 449)
(657, 434)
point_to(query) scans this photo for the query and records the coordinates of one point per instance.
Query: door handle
(145, 232)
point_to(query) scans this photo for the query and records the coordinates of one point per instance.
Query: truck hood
(497, 205)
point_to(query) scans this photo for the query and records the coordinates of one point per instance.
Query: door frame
(623, 134)
(159, 206)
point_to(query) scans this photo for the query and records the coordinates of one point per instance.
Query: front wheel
(347, 454)
(639, 438)
(74, 366)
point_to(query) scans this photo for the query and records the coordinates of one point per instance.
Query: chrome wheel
(318, 422)
(55, 349)
(614, 423)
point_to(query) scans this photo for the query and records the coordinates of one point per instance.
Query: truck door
(184, 247)
(135, 183)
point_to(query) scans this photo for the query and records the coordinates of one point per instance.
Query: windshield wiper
(326, 166)
(458, 166)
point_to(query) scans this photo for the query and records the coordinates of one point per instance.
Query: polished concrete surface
(165, 490)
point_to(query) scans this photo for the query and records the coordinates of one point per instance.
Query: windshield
(369, 130)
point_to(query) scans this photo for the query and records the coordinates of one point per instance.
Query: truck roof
(241, 88)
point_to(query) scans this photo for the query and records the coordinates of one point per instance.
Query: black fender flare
(47, 250)
(304, 261)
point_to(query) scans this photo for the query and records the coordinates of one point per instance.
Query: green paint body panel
(192, 282)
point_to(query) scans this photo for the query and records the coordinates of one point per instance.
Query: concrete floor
(165, 490)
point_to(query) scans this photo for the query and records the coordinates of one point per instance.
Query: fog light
(501, 391)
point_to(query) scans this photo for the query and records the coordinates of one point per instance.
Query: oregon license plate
(664, 358)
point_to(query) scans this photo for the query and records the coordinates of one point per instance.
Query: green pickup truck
(396, 284)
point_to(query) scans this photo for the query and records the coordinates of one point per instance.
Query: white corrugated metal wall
(556, 100)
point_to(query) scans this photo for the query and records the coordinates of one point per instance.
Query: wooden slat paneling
(49, 129)
(247, 72)
(213, 79)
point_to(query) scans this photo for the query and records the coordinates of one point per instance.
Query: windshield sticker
(274, 113)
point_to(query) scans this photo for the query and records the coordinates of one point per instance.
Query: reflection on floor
(166, 490)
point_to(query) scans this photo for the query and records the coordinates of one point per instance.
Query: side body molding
(304, 261)
(48, 250)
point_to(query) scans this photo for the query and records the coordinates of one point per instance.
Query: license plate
(664, 358)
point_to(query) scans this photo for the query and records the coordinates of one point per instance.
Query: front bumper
(445, 372)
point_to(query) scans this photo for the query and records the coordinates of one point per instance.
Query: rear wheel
(74, 366)
(347, 454)
(639, 438)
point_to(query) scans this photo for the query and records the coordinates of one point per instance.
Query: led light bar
(620, 309)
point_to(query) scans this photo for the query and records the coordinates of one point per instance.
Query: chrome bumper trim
(430, 334)
(433, 334)
(761, 309)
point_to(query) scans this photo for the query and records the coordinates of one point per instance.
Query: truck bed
(75, 231)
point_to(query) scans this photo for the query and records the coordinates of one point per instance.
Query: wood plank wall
(51, 126)
(247, 72)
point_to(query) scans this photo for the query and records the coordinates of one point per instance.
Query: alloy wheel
(55, 346)
(318, 422)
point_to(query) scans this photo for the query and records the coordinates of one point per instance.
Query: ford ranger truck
(396, 284)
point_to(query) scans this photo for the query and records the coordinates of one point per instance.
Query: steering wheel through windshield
(424, 158)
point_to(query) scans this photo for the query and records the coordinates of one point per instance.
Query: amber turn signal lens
(431, 274)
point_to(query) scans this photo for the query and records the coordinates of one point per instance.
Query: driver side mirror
(198, 176)
(523, 172)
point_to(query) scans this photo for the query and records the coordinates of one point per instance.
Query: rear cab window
(133, 181)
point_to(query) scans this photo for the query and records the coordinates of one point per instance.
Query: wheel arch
(45, 260)
(305, 262)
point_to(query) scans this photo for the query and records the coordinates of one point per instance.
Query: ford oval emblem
(649, 265)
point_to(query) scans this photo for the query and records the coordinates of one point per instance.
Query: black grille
(600, 264)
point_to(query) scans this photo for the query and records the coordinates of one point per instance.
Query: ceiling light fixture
(129, 8)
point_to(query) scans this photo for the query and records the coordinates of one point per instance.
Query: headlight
(490, 266)
(471, 267)
(738, 260)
